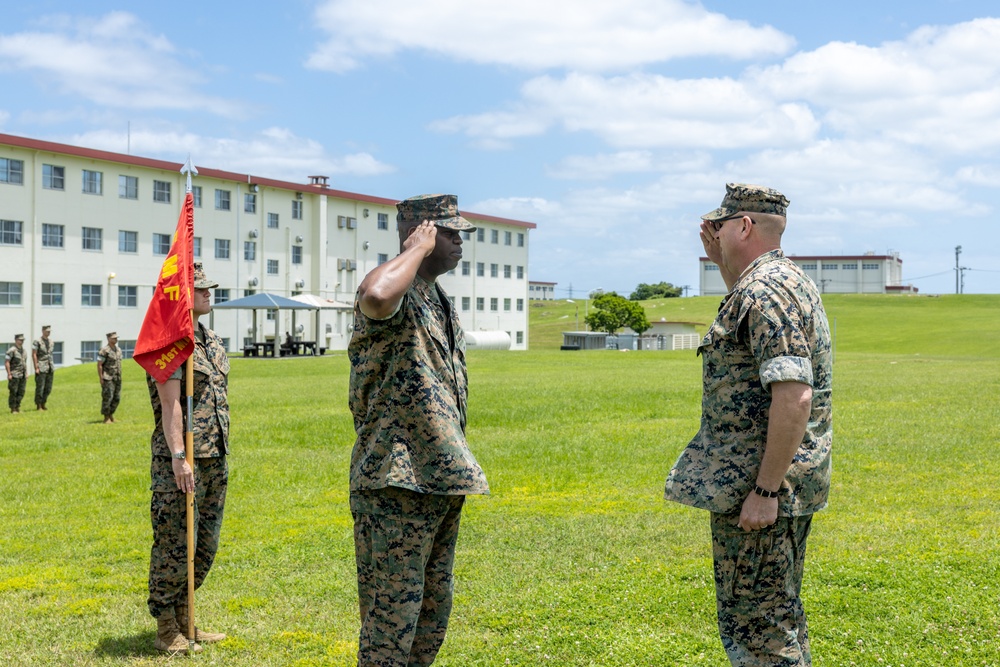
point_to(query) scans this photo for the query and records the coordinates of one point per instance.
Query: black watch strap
(764, 493)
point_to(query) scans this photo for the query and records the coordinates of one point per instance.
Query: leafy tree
(612, 312)
(660, 290)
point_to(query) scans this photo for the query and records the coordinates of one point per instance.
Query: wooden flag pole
(189, 497)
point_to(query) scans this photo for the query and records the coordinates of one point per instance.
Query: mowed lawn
(574, 559)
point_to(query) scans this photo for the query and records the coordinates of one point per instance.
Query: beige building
(83, 233)
(835, 274)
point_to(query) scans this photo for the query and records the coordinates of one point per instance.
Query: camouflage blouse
(211, 404)
(111, 362)
(17, 358)
(770, 328)
(408, 397)
(43, 351)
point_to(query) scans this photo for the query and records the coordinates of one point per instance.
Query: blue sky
(612, 125)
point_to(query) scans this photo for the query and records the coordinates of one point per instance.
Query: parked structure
(835, 274)
(83, 232)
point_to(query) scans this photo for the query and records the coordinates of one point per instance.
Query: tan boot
(199, 635)
(169, 639)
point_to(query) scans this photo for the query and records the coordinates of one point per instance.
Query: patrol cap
(750, 198)
(112, 334)
(442, 210)
(46, 326)
(200, 281)
(18, 336)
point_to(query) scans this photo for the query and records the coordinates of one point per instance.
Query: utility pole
(686, 288)
(571, 290)
(958, 270)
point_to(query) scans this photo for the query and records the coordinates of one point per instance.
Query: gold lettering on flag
(169, 268)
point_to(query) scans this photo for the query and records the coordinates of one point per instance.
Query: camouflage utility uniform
(168, 557)
(771, 327)
(411, 469)
(44, 371)
(111, 379)
(18, 380)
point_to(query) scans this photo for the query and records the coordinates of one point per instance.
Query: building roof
(165, 165)
(540, 282)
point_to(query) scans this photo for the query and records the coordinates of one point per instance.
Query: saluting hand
(710, 242)
(423, 236)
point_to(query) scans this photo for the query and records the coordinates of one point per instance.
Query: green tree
(661, 290)
(612, 312)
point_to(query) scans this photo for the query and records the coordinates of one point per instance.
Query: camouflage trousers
(168, 511)
(758, 579)
(15, 387)
(43, 387)
(405, 550)
(111, 394)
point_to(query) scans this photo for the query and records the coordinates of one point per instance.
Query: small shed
(584, 340)
(670, 335)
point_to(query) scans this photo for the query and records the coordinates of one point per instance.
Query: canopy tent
(319, 303)
(265, 301)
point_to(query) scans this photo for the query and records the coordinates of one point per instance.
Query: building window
(249, 203)
(221, 295)
(272, 267)
(383, 221)
(480, 303)
(507, 238)
(520, 240)
(93, 182)
(494, 270)
(10, 294)
(480, 234)
(296, 254)
(222, 248)
(296, 210)
(808, 267)
(57, 353)
(506, 305)
(270, 315)
(250, 250)
(52, 236)
(127, 347)
(161, 192)
(128, 187)
(53, 178)
(466, 268)
(161, 244)
(89, 350)
(196, 249)
(11, 171)
(480, 269)
(494, 236)
(869, 267)
(829, 267)
(711, 267)
(196, 195)
(249, 292)
(520, 338)
(466, 302)
(92, 238)
(850, 267)
(128, 296)
(90, 295)
(272, 220)
(382, 258)
(520, 305)
(506, 270)
(11, 232)
(52, 294)
(494, 304)
(221, 200)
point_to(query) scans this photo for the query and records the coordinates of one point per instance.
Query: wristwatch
(179, 455)
(764, 493)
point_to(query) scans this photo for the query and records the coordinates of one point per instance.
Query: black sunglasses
(717, 224)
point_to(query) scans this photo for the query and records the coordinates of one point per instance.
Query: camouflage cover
(442, 210)
(749, 198)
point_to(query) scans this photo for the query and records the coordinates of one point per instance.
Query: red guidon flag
(164, 341)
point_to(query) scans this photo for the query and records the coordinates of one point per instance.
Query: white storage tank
(487, 340)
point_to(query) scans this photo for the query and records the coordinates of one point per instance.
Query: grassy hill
(574, 559)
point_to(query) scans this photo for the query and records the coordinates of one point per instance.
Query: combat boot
(200, 635)
(169, 639)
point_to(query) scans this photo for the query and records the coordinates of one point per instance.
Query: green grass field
(574, 559)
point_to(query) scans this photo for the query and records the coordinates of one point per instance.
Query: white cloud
(274, 152)
(113, 61)
(606, 165)
(591, 35)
